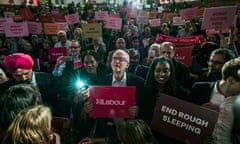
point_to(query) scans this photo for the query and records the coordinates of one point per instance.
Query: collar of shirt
(34, 81)
(122, 82)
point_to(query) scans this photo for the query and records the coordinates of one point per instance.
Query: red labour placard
(111, 102)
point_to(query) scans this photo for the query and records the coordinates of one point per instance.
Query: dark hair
(150, 83)
(13, 100)
(231, 69)
(228, 54)
(92, 53)
(134, 132)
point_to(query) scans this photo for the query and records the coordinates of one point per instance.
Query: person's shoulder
(134, 77)
(203, 84)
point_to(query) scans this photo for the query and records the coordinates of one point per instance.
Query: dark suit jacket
(132, 80)
(45, 83)
(201, 92)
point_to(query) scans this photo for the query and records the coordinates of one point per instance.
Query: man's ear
(127, 64)
(231, 80)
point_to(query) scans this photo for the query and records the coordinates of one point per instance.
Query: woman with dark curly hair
(161, 79)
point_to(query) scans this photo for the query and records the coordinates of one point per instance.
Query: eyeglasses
(121, 59)
(74, 47)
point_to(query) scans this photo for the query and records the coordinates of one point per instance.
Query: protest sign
(184, 55)
(92, 30)
(55, 52)
(218, 17)
(111, 102)
(183, 121)
(16, 29)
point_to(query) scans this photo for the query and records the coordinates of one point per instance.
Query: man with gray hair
(62, 40)
(118, 78)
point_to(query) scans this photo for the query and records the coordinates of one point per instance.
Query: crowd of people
(35, 90)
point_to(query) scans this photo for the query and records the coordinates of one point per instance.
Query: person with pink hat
(19, 67)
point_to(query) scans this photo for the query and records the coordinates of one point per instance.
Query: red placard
(111, 102)
(78, 64)
(27, 14)
(55, 52)
(182, 120)
(184, 55)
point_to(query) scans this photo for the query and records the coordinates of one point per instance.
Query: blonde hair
(31, 126)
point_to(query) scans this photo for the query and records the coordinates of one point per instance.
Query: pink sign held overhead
(218, 17)
(111, 102)
(154, 22)
(16, 29)
(101, 15)
(72, 19)
(189, 13)
(35, 27)
(3, 22)
(113, 23)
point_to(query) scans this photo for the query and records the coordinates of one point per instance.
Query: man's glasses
(74, 47)
(121, 59)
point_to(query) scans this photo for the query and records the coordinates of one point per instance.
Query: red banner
(112, 102)
(182, 120)
(55, 52)
(181, 41)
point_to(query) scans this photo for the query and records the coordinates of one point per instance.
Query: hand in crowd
(57, 138)
(211, 106)
(81, 95)
(133, 111)
(88, 107)
(62, 59)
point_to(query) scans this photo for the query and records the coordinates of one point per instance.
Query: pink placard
(35, 27)
(111, 102)
(178, 21)
(58, 18)
(63, 26)
(154, 22)
(101, 15)
(142, 20)
(218, 17)
(184, 55)
(113, 23)
(132, 14)
(16, 29)
(189, 13)
(72, 19)
(3, 22)
(55, 52)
